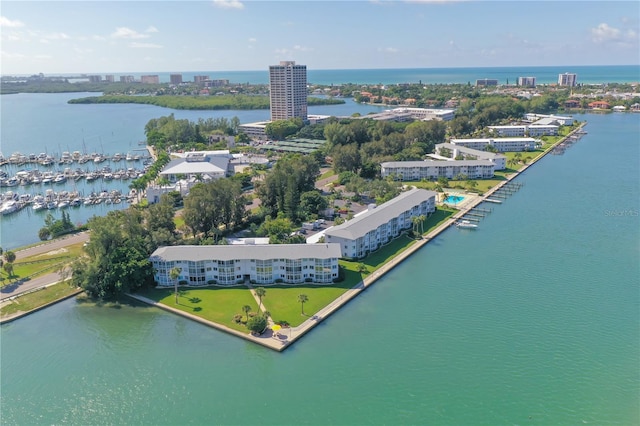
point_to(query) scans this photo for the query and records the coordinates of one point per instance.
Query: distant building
(499, 160)
(567, 79)
(150, 79)
(486, 82)
(532, 130)
(527, 81)
(126, 79)
(200, 79)
(175, 79)
(109, 78)
(254, 130)
(500, 144)
(288, 91)
(95, 78)
(546, 119)
(215, 83)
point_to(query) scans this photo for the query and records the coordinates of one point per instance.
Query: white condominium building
(500, 144)
(454, 151)
(527, 81)
(549, 119)
(432, 170)
(368, 232)
(525, 130)
(567, 79)
(288, 91)
(228, 265)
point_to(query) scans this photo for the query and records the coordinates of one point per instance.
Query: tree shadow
(195, 300)
(197, 309)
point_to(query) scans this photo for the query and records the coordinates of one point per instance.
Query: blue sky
(229, 35)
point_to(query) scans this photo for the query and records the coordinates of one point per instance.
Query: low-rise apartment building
(432, 170)
(454, 151)
(264, 264)
(500, 144)
(532, 130)
(378, 226)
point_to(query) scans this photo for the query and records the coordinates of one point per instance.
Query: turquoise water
(534, 320)
(453, 199)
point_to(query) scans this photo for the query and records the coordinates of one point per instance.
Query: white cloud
(252, 40)
(57, 36)
(6, 22)
(604, 33)
(82, 51)
(228, 4)
(124, 32)
(388, 50)
(302, 48)
(43, 56)
(151, 29)
(98, 37)
(137, 45)
(9, 55)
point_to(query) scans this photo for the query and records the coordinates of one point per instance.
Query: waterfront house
(379, 225)
(599, 105)
(201, 164)
(228, 265)
(572, 103)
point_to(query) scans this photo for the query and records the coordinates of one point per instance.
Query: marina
(42, 182)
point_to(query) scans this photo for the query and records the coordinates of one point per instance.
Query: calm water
(531, 319)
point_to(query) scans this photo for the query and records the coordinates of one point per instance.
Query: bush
(237, 318)
(211, 282)
(257, 323)
(279, 280)
(183, 282)
(308, 280)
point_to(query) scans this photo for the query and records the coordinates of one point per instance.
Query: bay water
(531, 319)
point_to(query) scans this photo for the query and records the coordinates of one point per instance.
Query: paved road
(52, 245)
(18, 287)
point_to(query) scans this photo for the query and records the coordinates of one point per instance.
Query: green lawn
(37, 299)
(215, 304)
(327, 174)
(33, 266)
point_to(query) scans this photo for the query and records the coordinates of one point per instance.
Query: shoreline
(288, 336)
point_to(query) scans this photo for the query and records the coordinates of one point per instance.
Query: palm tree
(174, 273)
(260, 292)
(415, 220)
(246, 309)
(422, 219)
(302, 298)
(9, 256)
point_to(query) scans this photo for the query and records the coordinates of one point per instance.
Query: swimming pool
(453, 199)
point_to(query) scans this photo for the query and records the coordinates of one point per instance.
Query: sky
(56, 37)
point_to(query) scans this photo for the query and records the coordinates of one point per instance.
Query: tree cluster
(212, 205)
(282, 189)
(56, 227)
(117, 258)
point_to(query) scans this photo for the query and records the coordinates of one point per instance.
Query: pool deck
(284, 338)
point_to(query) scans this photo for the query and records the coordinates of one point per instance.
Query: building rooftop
(360, 225)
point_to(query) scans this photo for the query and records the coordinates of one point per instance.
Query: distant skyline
(234, 35)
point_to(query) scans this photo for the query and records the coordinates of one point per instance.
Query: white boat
(9, 207)
(466, 224)
(60, 178)
(38, 206)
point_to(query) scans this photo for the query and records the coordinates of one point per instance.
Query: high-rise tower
(288, 91)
